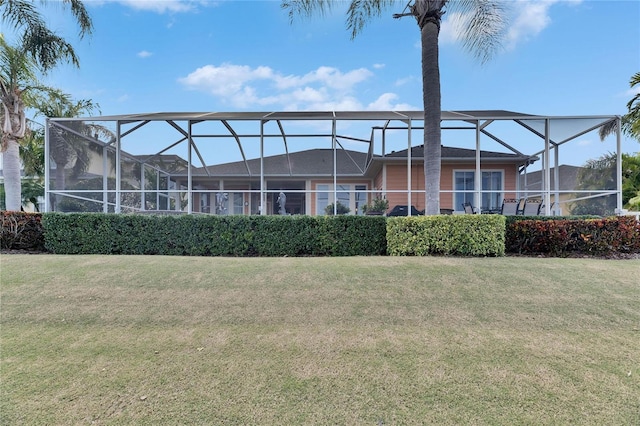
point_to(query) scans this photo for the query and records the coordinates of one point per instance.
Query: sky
(570, 57)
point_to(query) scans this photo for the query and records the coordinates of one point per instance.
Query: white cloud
(386, 102)
(325, 88)
(451, 27)
(329, 76)
(160, 6)
(144, 54)
(378, 66)
(527, 19)
(405, 80)
(227, 80)
(530, 19)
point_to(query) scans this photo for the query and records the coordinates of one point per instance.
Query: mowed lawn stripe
(358, 340)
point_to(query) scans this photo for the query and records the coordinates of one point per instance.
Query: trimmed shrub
(352, 235)
(284, 235)
(563, 237)
(460, 235)
(21, 231)
(194, 235)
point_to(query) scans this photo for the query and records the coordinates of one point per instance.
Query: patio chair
(521, 205)
(468, 208)
(509, 207)
(532, 207)
(541, 209)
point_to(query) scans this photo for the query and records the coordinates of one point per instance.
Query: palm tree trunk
(432, 116)
(11, 173)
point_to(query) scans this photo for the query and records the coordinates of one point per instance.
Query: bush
(563, 237)
(462, 235)
(340, 209)
(378, 205)
(192, 235)
(352, 235)
(21, 231)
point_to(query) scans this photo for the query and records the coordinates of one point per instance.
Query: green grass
(367, 340)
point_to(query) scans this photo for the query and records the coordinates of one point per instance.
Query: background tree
(69, 149)
(45, 47)
(38, 50)
(482, 31)
(32, 151)
(32, 157)
(17, 79)
(630, 122)
(600, 174)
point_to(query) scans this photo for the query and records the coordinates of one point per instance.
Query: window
(464, 181)
(227, 203)
(344, 196)
(351, 196)
(204, 202)
(238, 203)
(322, 198)
(491, 181)
(361, 198)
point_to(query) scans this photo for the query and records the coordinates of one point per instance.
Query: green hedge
(195, 235)
(466, 235)
(460, 235)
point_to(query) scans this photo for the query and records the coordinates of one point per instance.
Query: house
(174, 162)
(306, 178)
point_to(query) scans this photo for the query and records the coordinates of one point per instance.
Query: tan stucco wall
(397, 180)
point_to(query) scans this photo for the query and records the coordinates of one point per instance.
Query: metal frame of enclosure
(116, 137)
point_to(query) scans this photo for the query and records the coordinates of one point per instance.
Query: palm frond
(47, 48)
(630, 122)
(305, 8)
(360, 13)
(633, 116)
(17, 69)
(608, 129)
(82, 16)
(484, 27)
(20, 13)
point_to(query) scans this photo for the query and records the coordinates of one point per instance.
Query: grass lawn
(347, 341)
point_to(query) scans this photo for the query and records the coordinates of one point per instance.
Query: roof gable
(314, 162)
(452, 154)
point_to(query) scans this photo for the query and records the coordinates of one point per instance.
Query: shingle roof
(452, 153)
(314, 162)
(319, 162)
(567, 178)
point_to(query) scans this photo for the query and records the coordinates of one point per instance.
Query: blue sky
(571, 57)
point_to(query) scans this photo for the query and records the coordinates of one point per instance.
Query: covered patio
(179, 162)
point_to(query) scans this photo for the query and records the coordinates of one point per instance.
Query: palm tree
(17, 73)
(481, 34)
(39, 50)
(32, 157)
(630, 122)
(46, 47)
(32, 152)
(69, 150)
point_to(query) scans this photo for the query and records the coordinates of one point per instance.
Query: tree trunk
(11, 173)
(60, 184)
(432, 116)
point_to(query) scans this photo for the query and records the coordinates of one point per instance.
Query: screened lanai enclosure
(326, 162)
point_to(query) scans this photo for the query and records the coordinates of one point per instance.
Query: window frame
(495, 196)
